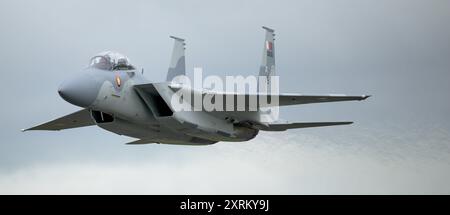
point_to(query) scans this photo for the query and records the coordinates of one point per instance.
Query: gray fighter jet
(115, 96)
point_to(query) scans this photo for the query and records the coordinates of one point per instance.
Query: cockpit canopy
(111, 61)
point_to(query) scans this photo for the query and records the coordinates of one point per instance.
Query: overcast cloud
(398, 51)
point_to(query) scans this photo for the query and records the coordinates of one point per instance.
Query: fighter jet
(117, 97)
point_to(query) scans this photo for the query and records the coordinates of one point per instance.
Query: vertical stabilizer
(267, 81)
(177, 63)
(267, 68)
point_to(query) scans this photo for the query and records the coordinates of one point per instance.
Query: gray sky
(396, 50)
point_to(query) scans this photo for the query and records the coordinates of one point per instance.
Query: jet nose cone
(80, 91)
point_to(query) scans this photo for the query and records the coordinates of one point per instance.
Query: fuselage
(116, 106)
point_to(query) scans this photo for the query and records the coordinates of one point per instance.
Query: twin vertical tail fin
(267, 81)
(267, 67)
(177, 63)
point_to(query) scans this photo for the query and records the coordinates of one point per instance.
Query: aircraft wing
(78, 119)
(285, 126)
(296, 99)
(284, 99)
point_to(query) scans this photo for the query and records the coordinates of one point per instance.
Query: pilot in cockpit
(111, 61)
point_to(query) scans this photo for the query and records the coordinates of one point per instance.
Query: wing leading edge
(295, 99)
(78, 119)
(284, 99)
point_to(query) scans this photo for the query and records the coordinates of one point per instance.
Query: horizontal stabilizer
(284, 127)
(139, 142)
(75, 120)
(194, 142)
